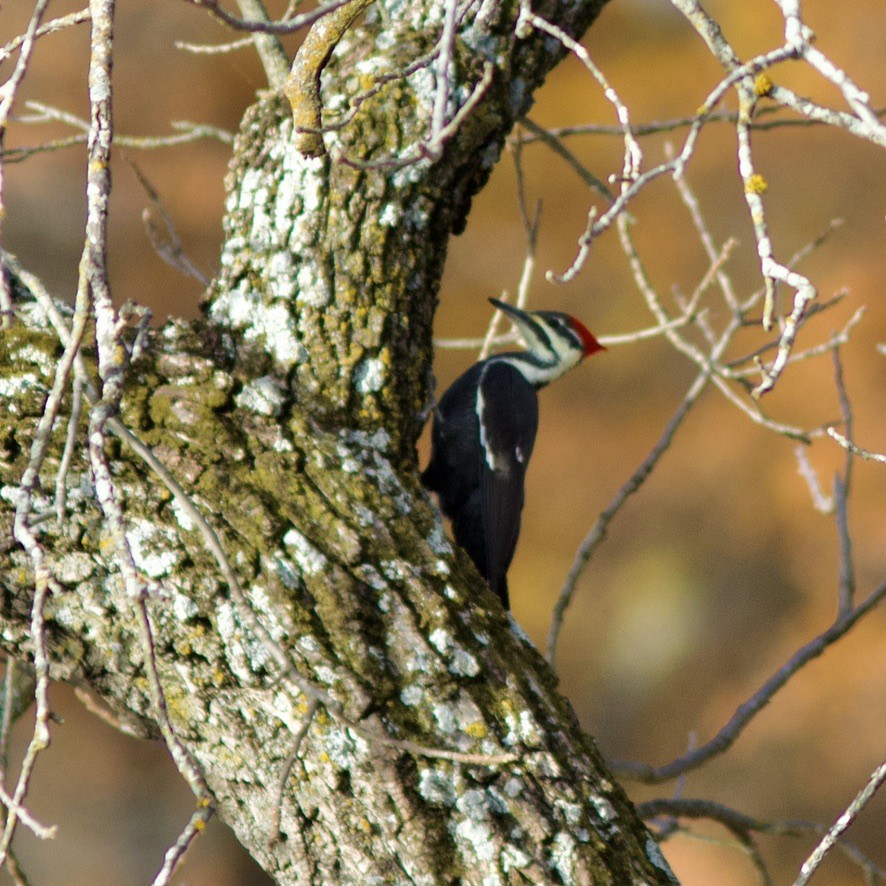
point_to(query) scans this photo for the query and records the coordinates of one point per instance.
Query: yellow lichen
(762, 85)
(477, 729)
(755, 184)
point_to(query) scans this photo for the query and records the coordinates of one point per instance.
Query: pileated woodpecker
(483, 434)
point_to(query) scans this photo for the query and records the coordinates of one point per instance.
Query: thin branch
(285, 772)
(257, 26)
(841, 824)
(8, 94)
(169, 249)
(821, 502)
(268, 46)
(847, 444)
(551, 139)
(779, 95)
(176, 852)
(749, 709)
(592, 540)
(57, 24)
(842, 485)
(741, 826)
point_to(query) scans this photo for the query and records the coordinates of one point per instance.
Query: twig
(859, 802)
(550, 138)
(170, 250)
(176, 852)
(257, 26)
(821, 502)
(598, 532)
(61, 491)
(285, 772)
(847, 444)
(842, 485)
(814, 115)
(57, 24)
(8, 95)
(748, 709)
(741, 826)
(268, 46)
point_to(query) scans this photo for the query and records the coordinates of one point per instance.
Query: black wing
(507, 407)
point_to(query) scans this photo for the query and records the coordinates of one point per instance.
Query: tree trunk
(432, 744)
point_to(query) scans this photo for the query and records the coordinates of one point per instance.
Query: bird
(483, 433)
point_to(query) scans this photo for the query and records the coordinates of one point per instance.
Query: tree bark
(290, 414)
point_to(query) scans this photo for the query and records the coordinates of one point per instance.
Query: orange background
(711, 576)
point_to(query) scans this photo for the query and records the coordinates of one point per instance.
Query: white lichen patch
(237, 652)
(17, 386)
(449, 718)
(275, 325)
(602, 808)
(184, 608)
(348, 463)
(34, 316)
(367, 573)
(512, 788)
(236, 307)
(478, 836)
(370, 375)
(311, 561)
(571, 815)
(313, 180)
(27, 353)
(473, 804)
(343, 749)
(182, 516)
(522, 729)
(563, 856)
(390, 215)
(264, 396)
(438, 542)
(460, 661)
(513, 857)
(396, 570)
(286, 571)
(73, 568)
(153, 548)
(261, 603)
(312, 289)
(280, 275)
(411, 695)
(288, 710)
(437, 787)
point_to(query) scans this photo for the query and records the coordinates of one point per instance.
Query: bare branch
(257, 26)
(749, 709)
(57, 24)
(844, 821)
(847, 444)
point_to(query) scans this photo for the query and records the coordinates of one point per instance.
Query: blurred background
(711, 576)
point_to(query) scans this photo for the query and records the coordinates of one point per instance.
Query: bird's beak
(521, 319)
(514, 313)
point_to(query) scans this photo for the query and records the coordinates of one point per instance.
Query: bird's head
(553, 338)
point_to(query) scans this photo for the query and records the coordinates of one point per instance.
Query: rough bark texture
(290, 415)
